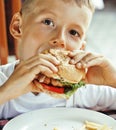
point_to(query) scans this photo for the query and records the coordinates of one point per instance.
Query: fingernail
(79, 65)
(57, 62)
(84, 65)
(72, 61)
(55, 69)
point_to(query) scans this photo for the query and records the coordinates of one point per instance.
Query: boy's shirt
(94, 97)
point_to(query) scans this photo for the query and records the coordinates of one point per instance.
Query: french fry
(94, 126)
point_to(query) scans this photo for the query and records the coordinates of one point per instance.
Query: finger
(42, 62)
(41, 69)
(97, 61)
(85, 58)
(36, 87)
(41, 58)
(78, 57)
(81, 64)
(50, 58)
(48, 61)
(41, 78)
(75, 52)
(48, 64)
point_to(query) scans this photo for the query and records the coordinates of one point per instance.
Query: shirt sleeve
(96, 97)
(3, 78)
(6, 71)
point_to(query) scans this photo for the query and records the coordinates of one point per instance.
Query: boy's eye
(48, 22)
(75, 33)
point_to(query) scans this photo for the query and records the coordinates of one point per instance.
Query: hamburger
(66, 81)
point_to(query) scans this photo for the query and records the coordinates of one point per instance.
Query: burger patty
(51, 81)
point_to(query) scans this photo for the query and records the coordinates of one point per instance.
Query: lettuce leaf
(70, 88)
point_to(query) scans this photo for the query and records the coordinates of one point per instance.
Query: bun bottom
(53, 94)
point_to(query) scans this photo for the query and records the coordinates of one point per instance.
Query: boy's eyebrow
(44, 13)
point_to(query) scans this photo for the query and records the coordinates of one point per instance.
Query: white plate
(61, 118)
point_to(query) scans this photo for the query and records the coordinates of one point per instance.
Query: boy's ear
(83, 45)
(15, 26)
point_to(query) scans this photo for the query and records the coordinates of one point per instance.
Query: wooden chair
(3, 36)
(15, 6)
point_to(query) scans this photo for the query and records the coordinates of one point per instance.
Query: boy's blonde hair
(88, 3)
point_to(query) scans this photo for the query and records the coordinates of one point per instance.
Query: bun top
(66, 72)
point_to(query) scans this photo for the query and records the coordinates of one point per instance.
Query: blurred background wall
(101, 37)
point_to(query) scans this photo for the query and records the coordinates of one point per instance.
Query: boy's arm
(95, 97)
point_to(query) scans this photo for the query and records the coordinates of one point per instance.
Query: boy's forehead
(30, 5)
(47, 3)
(78, 2)
(38, 4)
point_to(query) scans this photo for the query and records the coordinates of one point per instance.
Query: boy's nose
(57, 43)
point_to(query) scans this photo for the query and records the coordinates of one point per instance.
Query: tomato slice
(53, 89)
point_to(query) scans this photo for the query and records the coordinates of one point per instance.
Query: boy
(41, 25)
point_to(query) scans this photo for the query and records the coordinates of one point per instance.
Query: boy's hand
(21, 80)
(99, 69)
